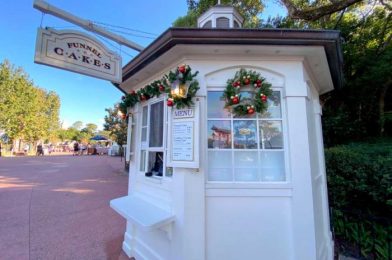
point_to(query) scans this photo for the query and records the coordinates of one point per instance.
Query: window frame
(145, 145)
(259, 149)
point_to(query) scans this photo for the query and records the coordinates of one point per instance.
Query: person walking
(76, 148)
(40, 150)
(26, 149)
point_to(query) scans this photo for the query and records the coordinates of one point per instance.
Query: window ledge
(141, 213)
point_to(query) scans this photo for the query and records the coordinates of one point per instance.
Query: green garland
(260, 90)
(183, 73)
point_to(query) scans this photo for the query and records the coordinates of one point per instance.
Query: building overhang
(320, 48)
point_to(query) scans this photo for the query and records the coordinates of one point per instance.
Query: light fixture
(179, 89)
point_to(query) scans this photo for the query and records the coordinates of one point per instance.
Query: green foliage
(370, 236)
(361, 108)
(26, 111)
(183, 74)
(360, 193)
(244, 106)
(360, 176)
(117, 127)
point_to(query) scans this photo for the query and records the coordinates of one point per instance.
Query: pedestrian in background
(76, 148)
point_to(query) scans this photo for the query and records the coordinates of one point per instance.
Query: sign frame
(193, 122)
(78, 52)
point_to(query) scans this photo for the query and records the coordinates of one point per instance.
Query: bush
(360, 177)
(360, 187)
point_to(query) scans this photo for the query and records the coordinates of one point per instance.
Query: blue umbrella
(99, 138)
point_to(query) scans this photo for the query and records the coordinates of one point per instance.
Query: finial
(219, 2)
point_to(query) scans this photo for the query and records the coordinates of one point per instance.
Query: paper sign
(182, 138)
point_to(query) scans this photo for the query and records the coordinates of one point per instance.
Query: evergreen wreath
(183, 74)
(259, 88)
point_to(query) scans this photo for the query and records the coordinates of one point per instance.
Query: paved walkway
(57, 207)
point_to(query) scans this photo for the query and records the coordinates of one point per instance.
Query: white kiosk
(231, 187)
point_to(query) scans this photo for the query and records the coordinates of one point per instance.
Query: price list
(182, 144)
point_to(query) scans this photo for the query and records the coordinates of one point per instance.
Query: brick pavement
(57, 207)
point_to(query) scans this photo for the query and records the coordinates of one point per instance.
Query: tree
(77, 125)
(27, 113)
(116, 126)
(360, 109)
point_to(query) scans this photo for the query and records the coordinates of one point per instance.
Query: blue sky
(84, 98)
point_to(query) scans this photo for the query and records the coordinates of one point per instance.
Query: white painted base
(127, 249)
(134, 247)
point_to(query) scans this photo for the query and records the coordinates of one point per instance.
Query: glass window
(152, 162)
(249, 148)
(156, 124)
(245, 134)
(219, 167)
(271, 134)
(142, 161)
(216, 105)
(272, 166)
(274, 108)
(219, 134)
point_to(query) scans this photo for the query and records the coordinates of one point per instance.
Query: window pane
(219, 166)
(144, 134)
(156, 124)
(272, 166)
(216, 105)
(271, 134)
(155, 164)
(246, 166)
(219, 134)
(245, 134)
(247, 97)
(145, 113)
(274, 106)
(142, 161)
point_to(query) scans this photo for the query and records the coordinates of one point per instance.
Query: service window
(245, 149)
(153, 128)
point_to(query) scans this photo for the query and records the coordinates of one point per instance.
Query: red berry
(258, 81)
(170, 103)
(182, 69)
(161, 88)
(251, 111)
(264, 98)
(246, 81)
(235, 100)
(133, 92)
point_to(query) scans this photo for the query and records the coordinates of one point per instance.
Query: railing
(361, 236)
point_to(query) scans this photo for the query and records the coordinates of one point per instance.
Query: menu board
(182, 141)
(184, 137)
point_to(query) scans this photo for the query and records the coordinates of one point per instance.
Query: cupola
(220, 16)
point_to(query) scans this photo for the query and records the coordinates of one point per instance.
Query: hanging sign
(78, 52)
